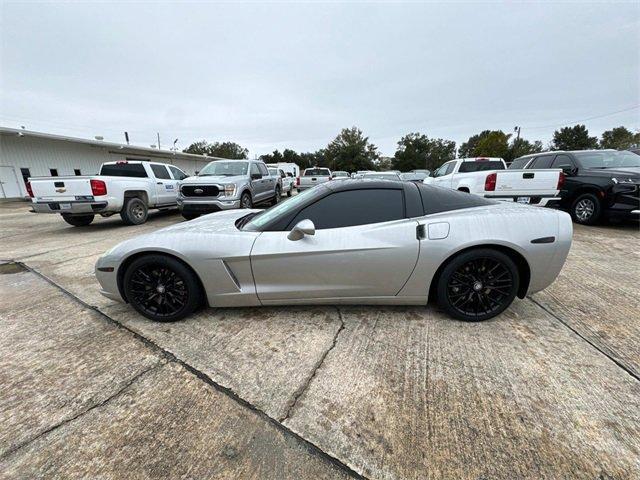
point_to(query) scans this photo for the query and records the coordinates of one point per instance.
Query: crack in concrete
(66, 421)
(600, 349)
(303, 388)
(312, 448)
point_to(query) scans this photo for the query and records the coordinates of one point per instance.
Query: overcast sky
(277, 75)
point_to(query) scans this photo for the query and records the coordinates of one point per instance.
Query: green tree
(573, 138)
(417, 151)
(521, 147)
(383, 164)
(218, 149)
(350, 151)
(619, 138)
(274, 157)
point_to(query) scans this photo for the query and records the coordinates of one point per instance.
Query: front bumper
(71, 208)
(624, 201)
(206, 205)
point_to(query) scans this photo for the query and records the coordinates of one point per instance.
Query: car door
(166, 187)
(268, 183)
(366, 250)
(257, 184)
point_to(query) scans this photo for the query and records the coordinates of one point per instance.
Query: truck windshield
(608, 159)
(123, 170)
(480, 166)
(225, 169)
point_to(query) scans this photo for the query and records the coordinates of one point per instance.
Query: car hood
(216, 233)
(625, 172)
(212, 179)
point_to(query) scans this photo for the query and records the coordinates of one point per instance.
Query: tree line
(352, 151)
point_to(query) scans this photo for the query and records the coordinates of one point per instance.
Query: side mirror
(302, 228)
(256, 176)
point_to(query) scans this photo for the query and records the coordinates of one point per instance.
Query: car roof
(363, 183)
(554, 152)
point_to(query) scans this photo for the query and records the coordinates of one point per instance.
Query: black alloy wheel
(478, 285)
(162, 288)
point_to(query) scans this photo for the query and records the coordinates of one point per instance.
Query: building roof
(119, 147)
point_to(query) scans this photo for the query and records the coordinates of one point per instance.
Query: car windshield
(382, 176)
(608, 159)
(264, 217)
(225, 169)
(316, 172)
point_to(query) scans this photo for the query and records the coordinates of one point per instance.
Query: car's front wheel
(478, 284)
(586, 209)
(276, 198)
(246, 201)
(162, 288)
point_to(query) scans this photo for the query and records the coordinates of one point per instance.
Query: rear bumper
(71, 208)
(534, 200)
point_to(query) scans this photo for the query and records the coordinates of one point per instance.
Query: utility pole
(158, 140)
(126, 137)
(517, 140)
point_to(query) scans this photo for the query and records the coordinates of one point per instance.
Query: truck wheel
(586, 209)
(290, 192)
(134, 212)
(78, 220)
(276, 198)
(245, 200)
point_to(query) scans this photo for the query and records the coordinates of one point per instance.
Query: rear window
(316, 172)
(519, 163)
(437, 199)
(480, 166)
(124, 170)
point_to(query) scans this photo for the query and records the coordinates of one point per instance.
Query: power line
(584, 119)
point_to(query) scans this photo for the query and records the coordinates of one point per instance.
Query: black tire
(276, 197)
(190, 216)
(477, 285)
(162, 288)
(290, 192)
(134, 212)
(586, 209)
(78, 220)
(246, 200)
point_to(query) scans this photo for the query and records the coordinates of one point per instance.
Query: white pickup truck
(129, 188)
(314, 176)
(490, 178)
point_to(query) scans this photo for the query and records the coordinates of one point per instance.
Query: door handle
(160, 183)
(528, 175)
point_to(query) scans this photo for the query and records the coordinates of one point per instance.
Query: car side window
(255, 170)
(440, 171)
(450, 168)
(160, 171)
(519, 163)
(542, 162)
(263, 169)
(177, 173)
(365, 206)
(564, 162)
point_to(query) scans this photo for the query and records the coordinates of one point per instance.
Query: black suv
(597, 182)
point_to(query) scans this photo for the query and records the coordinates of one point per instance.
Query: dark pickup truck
(598, 183)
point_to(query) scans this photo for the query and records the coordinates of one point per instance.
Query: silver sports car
(348, 242)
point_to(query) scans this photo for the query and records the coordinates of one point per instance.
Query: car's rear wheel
(586, 209)
(78, 220)
(478, 285)
(134, 212)
(162, 288)
(246, 201)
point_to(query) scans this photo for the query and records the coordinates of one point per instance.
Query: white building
(25, 154)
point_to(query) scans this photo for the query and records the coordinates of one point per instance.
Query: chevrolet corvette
(366, 241)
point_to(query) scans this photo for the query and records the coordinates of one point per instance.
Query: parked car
(291, 170)
(489, 178)
(414, 176)
(352, 242)
(598, 183)
(340, 175)
(227, 184)
(421, 170)
(382, 175)
(286, 182)
(314, 176)
(129, 188)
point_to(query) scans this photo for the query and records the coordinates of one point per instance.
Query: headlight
(625, 180)
(230, 189)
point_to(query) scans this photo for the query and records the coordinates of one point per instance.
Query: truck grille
(200, 190)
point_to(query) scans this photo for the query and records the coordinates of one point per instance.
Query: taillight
(297, 181)
(98, 187)
(560, 181)
(490, 182)
(29, 190)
